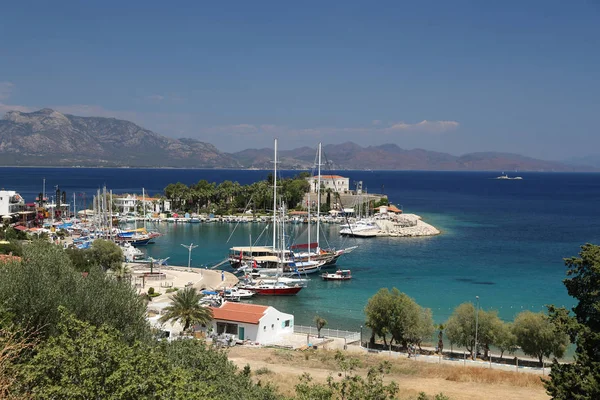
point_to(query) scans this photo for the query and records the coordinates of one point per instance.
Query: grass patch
(171, 290)
(263, 371)
(155, 294)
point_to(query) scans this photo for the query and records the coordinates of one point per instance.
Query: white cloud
(425, 126)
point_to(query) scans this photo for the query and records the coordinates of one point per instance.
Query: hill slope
(49, 138)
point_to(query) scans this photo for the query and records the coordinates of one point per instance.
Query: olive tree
(463, 323)
(538, 336)
(506, 339)
(397, 314)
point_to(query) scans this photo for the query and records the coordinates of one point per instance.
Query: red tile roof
(237, 312)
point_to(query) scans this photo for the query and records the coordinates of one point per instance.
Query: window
(224, 327)
(287, 323)
(272, 326)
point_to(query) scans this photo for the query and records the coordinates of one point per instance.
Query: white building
(126, 203)
(334, 182)
(259, 324)
(10, 203)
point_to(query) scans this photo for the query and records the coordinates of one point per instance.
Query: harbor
(487, 239)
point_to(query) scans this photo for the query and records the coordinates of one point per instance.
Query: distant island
(51, 139)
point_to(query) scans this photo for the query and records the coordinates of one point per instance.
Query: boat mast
(309, 247)
(318, 202)
(144, 207)
(275, 198)
(111, 216)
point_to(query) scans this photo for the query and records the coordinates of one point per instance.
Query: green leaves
(46, 280)
(186, 308)
(538, 336)
(395, 313)
(580, 379)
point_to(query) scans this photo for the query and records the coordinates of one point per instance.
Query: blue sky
(452, 76)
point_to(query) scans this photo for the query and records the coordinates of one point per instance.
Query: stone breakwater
(405, 225)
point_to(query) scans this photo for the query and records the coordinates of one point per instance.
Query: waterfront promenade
(171, 277)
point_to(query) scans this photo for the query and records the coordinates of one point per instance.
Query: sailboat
(313, 250)
(275, 287)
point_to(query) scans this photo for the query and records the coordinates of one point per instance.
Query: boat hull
(278, 291)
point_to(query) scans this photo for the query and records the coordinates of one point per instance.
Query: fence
(329, 333)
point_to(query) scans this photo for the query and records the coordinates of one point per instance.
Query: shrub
(150, 291)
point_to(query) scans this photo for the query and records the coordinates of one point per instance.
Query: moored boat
(339, 275)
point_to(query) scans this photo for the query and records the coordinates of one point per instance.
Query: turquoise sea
(503, 241)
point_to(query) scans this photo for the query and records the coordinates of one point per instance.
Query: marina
(506, 243)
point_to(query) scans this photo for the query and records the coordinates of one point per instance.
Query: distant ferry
(506, 177)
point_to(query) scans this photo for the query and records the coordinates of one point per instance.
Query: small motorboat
(339, 275)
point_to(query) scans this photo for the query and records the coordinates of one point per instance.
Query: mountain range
(50, 138)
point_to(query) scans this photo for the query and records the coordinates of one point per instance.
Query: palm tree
(320, 322)
(120, 271)
(185, 308)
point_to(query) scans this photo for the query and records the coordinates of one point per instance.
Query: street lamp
(361, 336)
(476, 327)
(190, 247)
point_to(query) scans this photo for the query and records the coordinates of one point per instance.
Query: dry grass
(287, 365)
(12, 345)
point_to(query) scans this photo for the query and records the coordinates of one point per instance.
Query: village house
(252, 322)
(336, 183)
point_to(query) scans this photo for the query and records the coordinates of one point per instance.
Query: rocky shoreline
(405, 225)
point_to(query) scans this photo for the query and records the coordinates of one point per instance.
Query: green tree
(409, 323)
(538, 336)
(84, 362)
(505, 339)
(320, 322)
(378, 315)
(106, 254)
(88, 362)
(82, 259)
(185, 308)
(46, 280)
(580, 379)
(460, 327)
(395, 313)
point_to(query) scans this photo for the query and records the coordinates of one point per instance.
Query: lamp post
(476, 327)
(190, 247)
(361, 336)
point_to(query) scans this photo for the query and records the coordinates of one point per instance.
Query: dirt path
(285, 376)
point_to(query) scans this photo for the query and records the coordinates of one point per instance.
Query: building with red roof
(252, 322)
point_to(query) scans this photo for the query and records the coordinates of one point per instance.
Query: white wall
(6, 207)
(271, 326)
(269, 329)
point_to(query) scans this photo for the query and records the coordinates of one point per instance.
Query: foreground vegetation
(65, 334)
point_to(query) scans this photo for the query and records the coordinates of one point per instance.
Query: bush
(171, 290)
(155, 294)
(47, 280)
(150, 291)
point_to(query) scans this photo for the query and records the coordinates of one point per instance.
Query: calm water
(502, 240)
